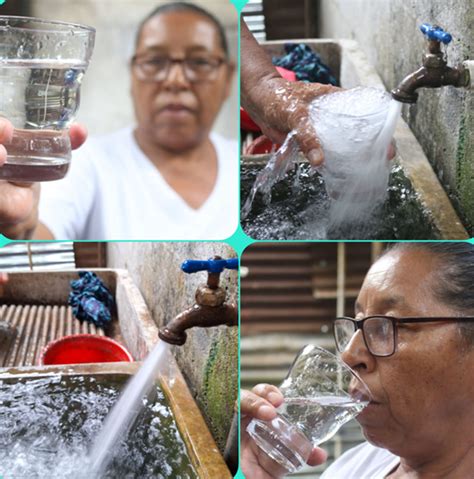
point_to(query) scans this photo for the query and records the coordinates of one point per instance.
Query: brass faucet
(435, 71)
(210, 308)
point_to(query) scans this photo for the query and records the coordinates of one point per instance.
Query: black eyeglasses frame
(359, 324)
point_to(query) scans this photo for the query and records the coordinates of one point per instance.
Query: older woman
(167, 177)
(412, 342)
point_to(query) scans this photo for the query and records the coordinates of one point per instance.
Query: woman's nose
(356, 355)
(176, 77)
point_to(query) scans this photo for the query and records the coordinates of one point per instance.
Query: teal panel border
(239, 4)
(4, 241)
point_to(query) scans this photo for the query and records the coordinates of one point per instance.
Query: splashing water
(356, 167)
(275, 170)
(125, 410)
(355, 128)
(47, 423)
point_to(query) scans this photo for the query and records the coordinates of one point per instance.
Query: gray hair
(456, 278)
(186, 7)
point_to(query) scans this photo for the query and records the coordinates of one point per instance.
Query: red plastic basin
(84, 348)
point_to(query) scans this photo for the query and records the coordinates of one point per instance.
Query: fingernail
(273, 397)
(266, 411)
(315, 157)
(4, 124)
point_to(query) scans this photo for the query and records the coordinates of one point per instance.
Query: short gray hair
(456, 278)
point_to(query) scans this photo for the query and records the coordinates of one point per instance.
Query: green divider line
(239, 475)
(239, 4)
(3, 241)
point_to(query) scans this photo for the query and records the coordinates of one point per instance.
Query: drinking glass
(42, 64)
(349, 124)
(321, 394)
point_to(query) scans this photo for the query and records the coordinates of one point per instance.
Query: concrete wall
(105, 100)
(208, 360)
(442, 119)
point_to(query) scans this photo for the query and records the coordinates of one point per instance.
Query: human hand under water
(19, 201)
(283, 106)
(277, 105)
(261, 403)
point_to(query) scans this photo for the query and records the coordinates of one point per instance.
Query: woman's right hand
(19, 201)
(261, 403)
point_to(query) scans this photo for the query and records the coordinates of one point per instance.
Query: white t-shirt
(362, 462)
(113, 191)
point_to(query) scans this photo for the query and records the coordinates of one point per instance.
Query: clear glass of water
(348, 124)
(321, 394)
(42, 64)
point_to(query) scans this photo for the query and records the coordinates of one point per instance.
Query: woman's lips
(176, 109)
(372, 408)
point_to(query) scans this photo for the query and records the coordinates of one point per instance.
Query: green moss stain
(465, 170)
(219, 391)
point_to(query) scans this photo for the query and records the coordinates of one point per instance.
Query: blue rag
(90, 299)
(306, 64)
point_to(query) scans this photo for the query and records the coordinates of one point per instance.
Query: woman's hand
(19, 201)
(280, 106)
(261, 403)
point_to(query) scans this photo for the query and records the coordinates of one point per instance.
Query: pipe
(201, 316)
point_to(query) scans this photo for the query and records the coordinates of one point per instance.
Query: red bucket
(84, 348)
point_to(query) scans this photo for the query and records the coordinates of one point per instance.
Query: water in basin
(299, 210)
(48, 424)
(355, 128)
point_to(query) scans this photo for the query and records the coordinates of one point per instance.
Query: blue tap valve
(210, 265)
(433, 32)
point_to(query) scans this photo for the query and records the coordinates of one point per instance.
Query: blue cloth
(306, 64)
(90, 299)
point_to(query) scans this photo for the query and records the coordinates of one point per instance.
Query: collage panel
(118, 360)
(357, 360)
(236, 239)
(125, 113)
(356, 126)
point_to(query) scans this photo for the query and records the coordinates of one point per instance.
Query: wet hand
(261, 403)
(19, 201)
(281, 106)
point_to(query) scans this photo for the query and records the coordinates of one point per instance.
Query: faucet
(210, 308)
(435, 71)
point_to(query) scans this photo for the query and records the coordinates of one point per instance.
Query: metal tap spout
(434, 72)
(201, 316)
(210, 308)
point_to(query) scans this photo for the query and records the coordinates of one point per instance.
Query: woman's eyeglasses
(379, 332)
(195, 69)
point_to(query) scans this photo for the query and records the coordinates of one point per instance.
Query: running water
(358, 183)
(275, 170)
(355, 128)
(126, 409)
(47, 424)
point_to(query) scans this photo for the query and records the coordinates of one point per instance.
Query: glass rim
(77, 27)
(327, 110)
(332, 355)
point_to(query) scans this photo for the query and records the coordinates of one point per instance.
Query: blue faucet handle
(433, 32)
(211, 265)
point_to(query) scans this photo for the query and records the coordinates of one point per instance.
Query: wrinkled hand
(19, 201)
(280, 106)
(261, 403)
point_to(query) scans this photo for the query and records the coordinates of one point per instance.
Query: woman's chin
(177, 143)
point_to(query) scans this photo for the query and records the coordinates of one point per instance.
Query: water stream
(355, 128)
(126, 409)
(49, 423)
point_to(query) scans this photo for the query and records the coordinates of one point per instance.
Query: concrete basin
(349, 64)
(35, 305)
